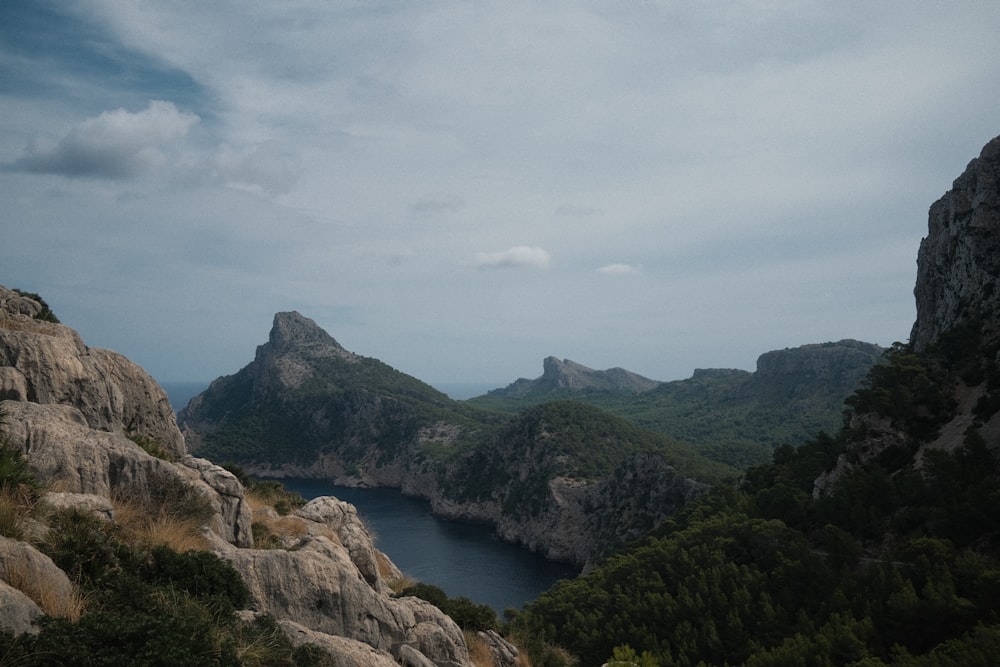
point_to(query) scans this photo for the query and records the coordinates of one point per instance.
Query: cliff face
(47, 363)
(944, 387)
(78, 417)
(958, 265)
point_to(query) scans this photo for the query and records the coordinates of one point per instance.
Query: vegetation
(142, 601)
(46, 314)
(730, 416)
(899, 565)
(467, 614)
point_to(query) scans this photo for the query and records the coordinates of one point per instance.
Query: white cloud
(114, 145)
(619, 269)
(518, 256)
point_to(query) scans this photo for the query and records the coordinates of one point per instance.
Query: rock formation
(48, 363)
(566, 374)
(84, 420)
(958, 266)
(956, 334)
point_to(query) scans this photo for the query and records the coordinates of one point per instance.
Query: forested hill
(732, 416)
(879, 545)
(561, 479)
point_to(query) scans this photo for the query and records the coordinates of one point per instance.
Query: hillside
(117, 547)
(877, 545)
(731, 416)
(306, 407)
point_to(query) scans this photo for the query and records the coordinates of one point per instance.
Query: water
(180, 393)
(463, 559)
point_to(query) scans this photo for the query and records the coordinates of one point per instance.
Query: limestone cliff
(942, 388)
(47, 363)
(958, 265)
(98, 432)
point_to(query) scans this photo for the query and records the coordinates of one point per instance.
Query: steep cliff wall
(958, 266)
(943, 388)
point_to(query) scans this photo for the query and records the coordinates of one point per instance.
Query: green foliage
(730, 416)
(913, 391)
(46, 314)
(765, 574)
(152, 446)
(466, 613)
(149, 606)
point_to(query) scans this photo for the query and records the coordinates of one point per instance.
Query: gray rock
(349, 653)
(62, 449)
(18, 612)
(958, 266)
(91, 503)
(27, 569)
(319, 587)
(343, 519)
(48, 363)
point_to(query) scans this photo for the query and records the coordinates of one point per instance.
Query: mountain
(118, 547)
(565, 374)
(732, 416)
(306, 407)
(875, 545)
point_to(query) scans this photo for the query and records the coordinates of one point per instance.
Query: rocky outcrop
(31, 584)
(329, 583)
(958, 266)
(837, 365)
(48, 363)
(956, 333)
(566, 374)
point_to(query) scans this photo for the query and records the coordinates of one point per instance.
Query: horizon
(463, 190)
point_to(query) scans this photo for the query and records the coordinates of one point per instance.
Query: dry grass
(479, 651)
(11, 516)
(53, 602)
(160, 528)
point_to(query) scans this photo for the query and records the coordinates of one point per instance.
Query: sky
(461, 189)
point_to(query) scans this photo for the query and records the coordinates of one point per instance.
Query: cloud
(263, 167)
(529, 256)
(619, 269)
(114, 145)
(430, 206)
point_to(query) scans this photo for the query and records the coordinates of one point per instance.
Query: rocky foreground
(78, 415)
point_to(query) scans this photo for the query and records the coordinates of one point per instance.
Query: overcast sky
(461, 189)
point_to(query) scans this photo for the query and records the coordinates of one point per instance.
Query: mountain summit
(566, 374)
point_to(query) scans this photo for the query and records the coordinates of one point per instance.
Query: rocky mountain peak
(958, 266)
(565, 374)
(292, 331)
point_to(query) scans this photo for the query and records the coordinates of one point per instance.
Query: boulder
(349, 652)
(18, 612)
(28, 570)
(318, 586)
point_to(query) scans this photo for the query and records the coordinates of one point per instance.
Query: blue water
(463, 559)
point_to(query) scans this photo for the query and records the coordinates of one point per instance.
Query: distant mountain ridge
(734, 416)
(566, 374)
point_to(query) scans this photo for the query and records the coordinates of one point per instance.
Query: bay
(462, 559)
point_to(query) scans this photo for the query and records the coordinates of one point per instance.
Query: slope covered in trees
(899, 563)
